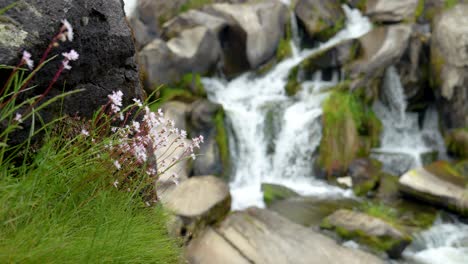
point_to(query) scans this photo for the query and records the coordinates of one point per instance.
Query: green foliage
(61, 207)
(419, 9)
(194, 4)
(284, 49)
(450, 3)
(188, 90)
(293, 85)
(222, 142)
(350, 129)
(274, 192)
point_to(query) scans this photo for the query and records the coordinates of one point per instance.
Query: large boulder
(196, 203)
(391, 11)
(275, 192)
(195, 50)
(373, 231)
(261, 236)
(321, 19)
(102, 38)
(207, 119)
(439, 183)
(310, 211)
(253, 34)
(449, 63)
(378, 49)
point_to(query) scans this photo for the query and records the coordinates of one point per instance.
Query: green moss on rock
(349, 129)
(275, 192)
(457, 143)
(223, 142)
(293, 86)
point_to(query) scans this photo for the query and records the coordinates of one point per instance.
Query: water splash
(275, 134)
(404, 143)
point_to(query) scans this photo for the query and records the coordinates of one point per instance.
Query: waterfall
(275, 135)
(404, 145)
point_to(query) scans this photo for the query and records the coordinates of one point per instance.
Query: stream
(273, 138)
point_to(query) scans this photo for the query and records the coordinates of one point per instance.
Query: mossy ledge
(223, 143)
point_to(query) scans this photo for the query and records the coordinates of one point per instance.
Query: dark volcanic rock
(102, 38)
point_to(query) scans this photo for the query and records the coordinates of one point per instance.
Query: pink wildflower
(18, 118)
(85, 132)
(27, 59)
(68, 29)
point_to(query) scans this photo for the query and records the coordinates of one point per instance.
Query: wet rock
(391, 11)
(365, 174)
(191, 19)
(262, 236)
(195, 50)
(378, 49)
(321, 19)
(449, 60)
(207, 119)
(369, 230)
(196, 203)
(440, 184)
(309, 211)
(253, 33)
(457, 143)
(275, 192)
(102, 37)
(140, 33)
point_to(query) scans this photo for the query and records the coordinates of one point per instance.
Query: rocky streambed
(344, 126)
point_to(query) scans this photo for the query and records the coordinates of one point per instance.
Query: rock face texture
(391, 11)
(438, 184)
(260, 236)
(197, 203)
(449, 64)
(321, 19)
(368, 229)
(102, 37)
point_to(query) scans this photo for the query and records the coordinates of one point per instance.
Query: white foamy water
(403, 140)
(275, 135)
(444, 243)
(130, 6)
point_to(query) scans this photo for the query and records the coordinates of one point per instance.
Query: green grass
(61, 207)
(194, 4)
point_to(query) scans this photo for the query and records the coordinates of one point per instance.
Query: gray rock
(253, 34)
(191, 19)
(195, 50)
(197, 203)
(360, 226)
(211, 248)
(321, 19)
(437, 187)
(449, 63)
(391, 11)
(273, 193)
(203, 122)
(102, 37)
(140, 32)
(309, 211)
(262, 236)
(380, 48)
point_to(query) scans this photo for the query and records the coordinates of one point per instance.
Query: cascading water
(444, 243)
(403, 143)
(275, 134)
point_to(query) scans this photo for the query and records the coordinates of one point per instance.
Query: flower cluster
(153, 142)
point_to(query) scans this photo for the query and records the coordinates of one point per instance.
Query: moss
(284, 49)
(275, 192)
(457, 143)
(293, 85)
(347, 124)
(222, 142)
(437, 64)
(450, 3)
(393, 246)
(419, 9)
(194, 4)
(325, 31)
(448, 172)
(188, 89)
